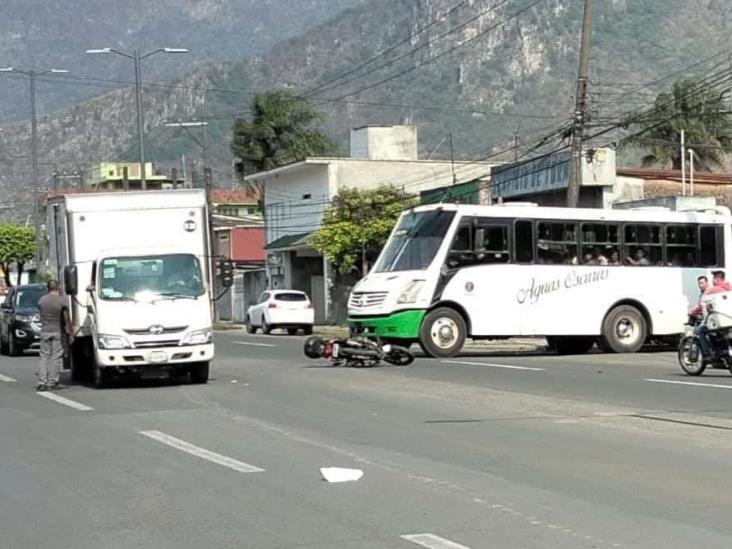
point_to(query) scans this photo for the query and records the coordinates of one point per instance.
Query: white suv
(287, 309)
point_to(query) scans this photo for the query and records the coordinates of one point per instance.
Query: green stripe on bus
(400, 325)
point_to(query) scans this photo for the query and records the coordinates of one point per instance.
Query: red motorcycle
(356, 351)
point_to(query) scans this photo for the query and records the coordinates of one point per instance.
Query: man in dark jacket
(55, 318)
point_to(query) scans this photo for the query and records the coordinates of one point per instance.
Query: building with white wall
(297, 195)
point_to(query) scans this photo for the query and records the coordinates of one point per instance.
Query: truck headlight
(199, 337)
(113, 342)
(411, 291)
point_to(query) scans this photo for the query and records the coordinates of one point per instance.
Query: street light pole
(32, 75)
(140, 121)
(137, 59)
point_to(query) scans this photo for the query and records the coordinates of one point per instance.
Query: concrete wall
(384, 142)
(288, 211)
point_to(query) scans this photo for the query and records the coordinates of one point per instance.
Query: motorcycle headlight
(411, 291)
(199, 337)
(113, 342)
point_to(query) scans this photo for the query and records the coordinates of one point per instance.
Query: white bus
(575, 276)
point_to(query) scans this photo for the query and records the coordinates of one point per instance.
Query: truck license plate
(157, 356)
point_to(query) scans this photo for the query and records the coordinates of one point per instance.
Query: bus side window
(494, 247)
(523, 242)
(642, 245)
(708, 246)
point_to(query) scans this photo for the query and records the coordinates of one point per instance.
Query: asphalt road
(481, 451)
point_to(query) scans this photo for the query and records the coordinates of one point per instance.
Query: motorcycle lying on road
(356, 351)
(720, 348)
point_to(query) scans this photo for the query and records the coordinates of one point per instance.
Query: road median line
(691, 383)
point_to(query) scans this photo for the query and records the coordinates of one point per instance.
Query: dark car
(20, 325)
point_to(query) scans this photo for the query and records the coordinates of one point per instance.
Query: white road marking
(690, 383)
(65, 401)
(202, 453)
(506, 366)
(7, 379)
(254, 344)
(433, 542)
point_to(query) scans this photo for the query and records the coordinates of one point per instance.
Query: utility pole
(32, 75)
(575, 176)
(515, 145)
(452, 160)
(683, 163)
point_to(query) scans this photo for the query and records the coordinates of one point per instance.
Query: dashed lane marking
(65, 401)
(691, 383)
(505, 366)
(432, 541)
(202, 453)
(254, 344)
(7, 379)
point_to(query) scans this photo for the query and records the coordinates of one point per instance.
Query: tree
(357, 225)
(17, 245)
(283, 128)
(701, 112)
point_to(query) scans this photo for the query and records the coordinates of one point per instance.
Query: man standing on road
(54, 311)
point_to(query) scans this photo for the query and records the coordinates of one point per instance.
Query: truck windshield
(173, 276)
(414, 244)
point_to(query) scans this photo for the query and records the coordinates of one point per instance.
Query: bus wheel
(624, 330)
(443, 332)
(570, 345)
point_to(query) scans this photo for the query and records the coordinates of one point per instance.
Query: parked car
(287, 309)
(20, 324)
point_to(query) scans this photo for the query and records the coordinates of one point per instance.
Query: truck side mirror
(226, 273)
(71, 280)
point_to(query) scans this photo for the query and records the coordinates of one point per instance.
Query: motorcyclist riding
(719, 285)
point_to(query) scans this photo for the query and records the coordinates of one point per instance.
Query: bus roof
(532, 211)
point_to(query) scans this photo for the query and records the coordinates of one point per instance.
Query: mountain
(480, 70)
(43, 34)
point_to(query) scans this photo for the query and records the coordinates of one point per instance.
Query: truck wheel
(292, 331)
(99, 376)
(13, 346)
(570, 345)
(308, 330)
(443, 332)
(199, 373)
(624, 330)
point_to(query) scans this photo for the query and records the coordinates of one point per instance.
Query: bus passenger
(639, 259)
(614, 258)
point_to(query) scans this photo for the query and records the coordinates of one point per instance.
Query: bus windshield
(414, 244)
(174, 276)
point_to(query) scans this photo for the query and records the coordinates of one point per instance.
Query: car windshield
(291, 297)
(155, 276)
(28, 298)
(415, 242)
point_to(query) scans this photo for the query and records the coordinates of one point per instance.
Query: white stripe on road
(506, 366)
(7, 379)
(433, 542)
(202, 453)
(254, 344)
(717, 386)
(65, 401)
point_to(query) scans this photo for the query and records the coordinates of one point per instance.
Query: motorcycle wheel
(690, 357)
(399, 356)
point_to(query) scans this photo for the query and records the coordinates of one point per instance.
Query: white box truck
(136, 268)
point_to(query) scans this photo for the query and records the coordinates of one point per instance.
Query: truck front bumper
(399, 325)
(156, 356)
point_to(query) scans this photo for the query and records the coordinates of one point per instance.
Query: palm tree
(704, 116)
(282, 129)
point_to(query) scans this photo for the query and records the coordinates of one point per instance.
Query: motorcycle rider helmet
(313, 347)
